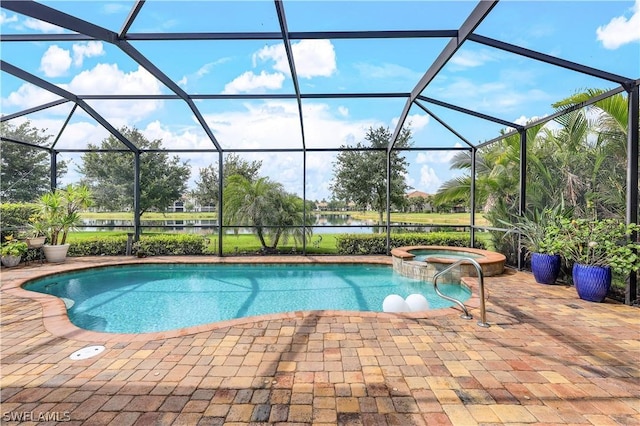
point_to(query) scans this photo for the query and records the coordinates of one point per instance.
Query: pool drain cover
(87, 352)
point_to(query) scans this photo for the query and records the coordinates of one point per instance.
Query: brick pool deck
(548, 358)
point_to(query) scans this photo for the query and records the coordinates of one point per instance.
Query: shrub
(153, 245)
(15, 216)
(179, 244)
(351, 244)
(107, 246)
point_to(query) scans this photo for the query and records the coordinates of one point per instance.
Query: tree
(361, 176)
(110, 174)
(24, 175)
(265, 206)
(579, 164)
(206, 191)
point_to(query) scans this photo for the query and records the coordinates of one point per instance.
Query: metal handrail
(466, 315)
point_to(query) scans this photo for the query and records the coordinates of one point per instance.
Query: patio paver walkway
(548, 358)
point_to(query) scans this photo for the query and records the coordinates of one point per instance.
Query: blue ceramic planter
(592, 282)
(545, 267)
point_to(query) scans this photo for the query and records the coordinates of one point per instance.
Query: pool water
(421, 254)
(150, 298)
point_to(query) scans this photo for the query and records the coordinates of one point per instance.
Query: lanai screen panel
(598, 34)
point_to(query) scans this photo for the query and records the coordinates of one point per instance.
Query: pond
(324, 224)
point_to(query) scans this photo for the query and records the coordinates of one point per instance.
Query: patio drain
(87, 352)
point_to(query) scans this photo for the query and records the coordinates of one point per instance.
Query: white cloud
(111, 8)
(437, 157)
(115, 81)
(43, 27)
(417, 122)
(275, 124)
(7, 20)
(250, 82)
(27, 96)
(55, 61)
(471, 59)
(429, 180)
(313, 58)
(86, 50)
(389, 71)
(497, 97)
(80, 134)
(620, 30)
(343, 111)
(201, 72)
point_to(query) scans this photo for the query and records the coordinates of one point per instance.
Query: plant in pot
(60, 213)
(12, 251)
(540, 240)
(36, 237)
(596, 248)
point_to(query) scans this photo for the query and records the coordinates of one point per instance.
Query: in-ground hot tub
(409, 261)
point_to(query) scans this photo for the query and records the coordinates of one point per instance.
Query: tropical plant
(12, 247)
(579, 163)
(59, 212)
(540, 231)
(605, 242)
(266, 207)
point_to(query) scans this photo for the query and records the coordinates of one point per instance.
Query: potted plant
(596, 248)
(12, 251)
(540, 240)
(59, 213)
(37, 235)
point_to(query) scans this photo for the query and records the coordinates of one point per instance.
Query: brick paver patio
(548, 358)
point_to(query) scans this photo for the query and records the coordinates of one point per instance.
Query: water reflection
(323, 224)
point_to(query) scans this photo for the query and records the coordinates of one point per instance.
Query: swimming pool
(161, 297)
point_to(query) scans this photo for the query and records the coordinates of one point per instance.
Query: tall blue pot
(545, 267)
(592, 282)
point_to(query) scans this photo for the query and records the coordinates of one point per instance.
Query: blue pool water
(148, 298)
(421, 254)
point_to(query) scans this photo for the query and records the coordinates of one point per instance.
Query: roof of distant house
(417, 194)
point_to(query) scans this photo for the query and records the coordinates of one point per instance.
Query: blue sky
(600, 34)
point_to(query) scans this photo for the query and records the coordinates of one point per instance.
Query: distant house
(415, 194)
(190, 202)
(419, 202)
(322, 206)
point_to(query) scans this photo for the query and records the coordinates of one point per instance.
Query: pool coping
(487, 255)
(56, 320)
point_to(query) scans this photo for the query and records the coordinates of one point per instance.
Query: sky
(599, 34)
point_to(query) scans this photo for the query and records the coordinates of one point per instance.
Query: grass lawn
(249, 243)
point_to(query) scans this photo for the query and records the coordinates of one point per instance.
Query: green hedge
(178, 244)
(14, 217)
(353, 244)
(108, 246)
(153, 245)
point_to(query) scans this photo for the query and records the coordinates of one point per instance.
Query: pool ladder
(466, 315)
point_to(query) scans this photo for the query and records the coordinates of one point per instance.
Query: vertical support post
(631, 289)
(136, 194)
(522, 206)
(304, 202)
(53, 176)
(472, 201)
(389, 202)
(220, 185)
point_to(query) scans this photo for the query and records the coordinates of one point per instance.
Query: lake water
(324, 224)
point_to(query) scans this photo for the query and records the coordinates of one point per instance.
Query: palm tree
(610, 150)
(265, 206)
